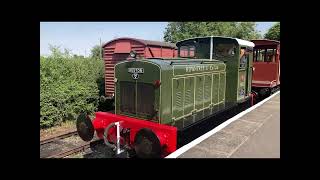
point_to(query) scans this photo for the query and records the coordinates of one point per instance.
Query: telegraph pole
(100, 49)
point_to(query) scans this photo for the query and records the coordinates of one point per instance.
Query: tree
(274, 32)
(176, 31)
(95, 52)
(246, 30)
(57, 53)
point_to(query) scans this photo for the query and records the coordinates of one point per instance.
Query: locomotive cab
(237, 54)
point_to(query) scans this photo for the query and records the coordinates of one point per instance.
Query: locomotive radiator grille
(137, 99)
(127, 97)
(145, 99)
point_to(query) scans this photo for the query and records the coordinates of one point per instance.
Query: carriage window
(258, 55)
(270, 55)
(264, 55)
(224, 50)
(187, 51)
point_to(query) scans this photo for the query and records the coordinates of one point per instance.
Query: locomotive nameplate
(194, 69)
(201, 68)
(136, 70)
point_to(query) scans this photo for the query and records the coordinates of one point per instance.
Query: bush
(68, 86)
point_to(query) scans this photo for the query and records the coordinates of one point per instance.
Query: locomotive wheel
(147, 144)
(85, 127)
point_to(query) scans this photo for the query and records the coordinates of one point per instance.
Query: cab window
(187, 51)
(244, 56)
(224, 50)
(198, 48)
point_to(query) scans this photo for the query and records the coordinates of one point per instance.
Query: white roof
(244, 42)
(240, 41)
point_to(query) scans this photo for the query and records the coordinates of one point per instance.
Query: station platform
(254, 133)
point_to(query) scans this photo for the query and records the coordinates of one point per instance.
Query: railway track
(78, 149)
(49, 147)
(69, 152)
(59, 147)
(62, 136)
(54, 147)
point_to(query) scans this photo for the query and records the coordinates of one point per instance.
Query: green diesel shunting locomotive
(210, 75)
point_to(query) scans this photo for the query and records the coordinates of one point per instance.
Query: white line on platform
(188, 146)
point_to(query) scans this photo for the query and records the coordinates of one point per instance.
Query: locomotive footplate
(129, 137)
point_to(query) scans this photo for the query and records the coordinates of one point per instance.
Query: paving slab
(254, 135)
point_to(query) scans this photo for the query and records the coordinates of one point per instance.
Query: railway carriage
(156, 97)
(118, 50)
(266, 63)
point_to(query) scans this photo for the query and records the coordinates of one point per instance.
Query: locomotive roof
(239, 41)
(145, 42)
(168, 62)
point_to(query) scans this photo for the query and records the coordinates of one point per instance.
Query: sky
(80, 37)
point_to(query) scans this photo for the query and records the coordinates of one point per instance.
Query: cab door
(249, 69)
(244, 73)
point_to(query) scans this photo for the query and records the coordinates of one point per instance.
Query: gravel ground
(96, 151)
(59, 145)
(64, 127)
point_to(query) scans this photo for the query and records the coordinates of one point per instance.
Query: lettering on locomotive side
(201, 68)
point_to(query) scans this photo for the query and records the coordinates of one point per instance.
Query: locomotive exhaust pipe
(85, 127)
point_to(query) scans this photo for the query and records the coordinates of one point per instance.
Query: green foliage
(274, 32)
(177, 31)
(57, 54)
(68, 86)
(95, 52)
